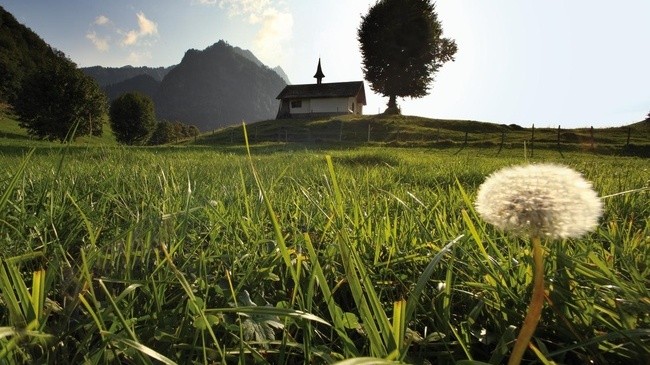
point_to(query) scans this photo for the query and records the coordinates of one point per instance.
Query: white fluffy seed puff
(542, 200)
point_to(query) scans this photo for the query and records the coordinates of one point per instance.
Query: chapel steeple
(319, 73)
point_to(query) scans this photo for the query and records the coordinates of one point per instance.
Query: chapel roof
(328, 90)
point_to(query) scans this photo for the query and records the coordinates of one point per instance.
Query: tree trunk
(392, 105)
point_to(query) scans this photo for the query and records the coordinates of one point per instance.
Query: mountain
(112, 75)
(218, 86)
(143, 83)
(248, 54)
(278, 70)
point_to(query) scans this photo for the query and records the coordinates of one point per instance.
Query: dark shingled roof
(330, 90)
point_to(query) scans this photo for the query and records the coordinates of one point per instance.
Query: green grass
(13, 137)
(317, 251)
(202, 254)
(409, 131)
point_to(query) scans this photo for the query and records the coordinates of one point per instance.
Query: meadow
(293, 253)
(199, 254)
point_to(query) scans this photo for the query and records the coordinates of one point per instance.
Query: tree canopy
(59, 102)
(166, 132)
(133, 118)
(402, 47)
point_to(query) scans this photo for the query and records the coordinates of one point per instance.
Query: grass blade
(14, 180)
(147, 351)
(424, 278)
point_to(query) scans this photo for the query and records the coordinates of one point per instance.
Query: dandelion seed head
(539, 200)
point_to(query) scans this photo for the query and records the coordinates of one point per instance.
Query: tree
(166, 132)
(402, 48)
(132, 118)
(60, 102)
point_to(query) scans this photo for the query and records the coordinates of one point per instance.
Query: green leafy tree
(164, 133)
(133, 118)
(167, 132)
(59, 102)
(193, 131)
(402, 48)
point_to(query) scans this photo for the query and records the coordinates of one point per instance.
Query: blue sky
(573, 63)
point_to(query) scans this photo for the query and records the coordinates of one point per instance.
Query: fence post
(629, 131)
(465, 137)
(340, 130)
(592, 136)
(532, 141)
(368, 132)
(559, 148)
(503, 141)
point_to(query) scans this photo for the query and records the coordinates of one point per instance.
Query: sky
(550, 63)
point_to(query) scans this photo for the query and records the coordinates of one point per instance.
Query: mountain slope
(278, 70)
(21, 52)
(218, 86)
(144, 84)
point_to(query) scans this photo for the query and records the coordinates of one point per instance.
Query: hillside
(217, 87)
(282, 74)
(248, 54)
(144, 84)
(413, 131)
(402, 131)
(21, 52)
(16, 140)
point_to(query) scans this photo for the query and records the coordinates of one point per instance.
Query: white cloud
(102, 20)
(101, 43)
(146, 27)
(275, 25)
(136, 43)
(245, 7)
(276, 29)
(130, 38)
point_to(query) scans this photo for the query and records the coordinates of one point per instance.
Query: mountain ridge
(210, 88)
(112, 75)
(216, 87)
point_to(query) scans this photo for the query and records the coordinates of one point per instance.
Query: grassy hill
(388, 130)
(12, 135)
(402, 130)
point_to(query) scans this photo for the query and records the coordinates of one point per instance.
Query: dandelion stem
(535, 306)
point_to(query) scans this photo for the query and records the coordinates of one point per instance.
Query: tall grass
(281, 255)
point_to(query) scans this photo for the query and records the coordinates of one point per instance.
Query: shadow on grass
(16, 136)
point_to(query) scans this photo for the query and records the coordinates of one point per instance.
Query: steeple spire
(319, 73)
